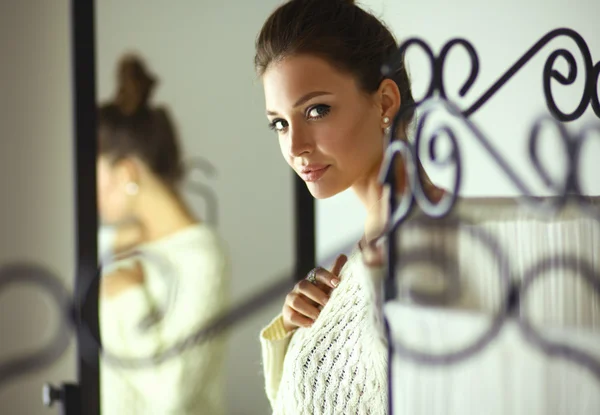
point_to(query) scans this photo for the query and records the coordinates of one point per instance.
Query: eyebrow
(304, 98)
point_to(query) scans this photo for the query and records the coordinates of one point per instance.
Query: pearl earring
(131, 188)
(386, 120)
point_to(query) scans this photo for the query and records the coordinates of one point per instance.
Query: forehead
(287, 80)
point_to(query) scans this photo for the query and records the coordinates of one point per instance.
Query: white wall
(501, 34)
(36, 185)
(203, 51)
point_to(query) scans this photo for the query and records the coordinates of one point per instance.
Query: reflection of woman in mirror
(330, 107)
(171, 273)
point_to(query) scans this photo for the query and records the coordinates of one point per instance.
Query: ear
(389, 98)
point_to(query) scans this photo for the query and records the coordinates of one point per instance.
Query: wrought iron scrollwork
(568, 190)
(512, 295)
(41, 279)
(589, 97)
(584, 271)
(506, 278)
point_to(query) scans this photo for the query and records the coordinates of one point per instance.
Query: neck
(162, 212)
(374, 198)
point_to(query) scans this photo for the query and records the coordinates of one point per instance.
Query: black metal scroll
(569, 190)
(46, 282)
(591, 72)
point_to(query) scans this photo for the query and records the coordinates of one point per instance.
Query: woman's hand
(373, 255)
(121, 280)
(304, 303)
(371, 245)
(127, 236)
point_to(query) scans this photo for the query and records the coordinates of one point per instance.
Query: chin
(320, 191)
(111, 219)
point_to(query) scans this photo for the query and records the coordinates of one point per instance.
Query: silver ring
(312, 276)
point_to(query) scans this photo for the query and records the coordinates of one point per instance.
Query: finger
(373, 255)
(313, 292)
(339, 263)
(301, 304)
(299, 320)
(327, 278)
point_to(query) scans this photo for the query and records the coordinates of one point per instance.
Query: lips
(313, 172)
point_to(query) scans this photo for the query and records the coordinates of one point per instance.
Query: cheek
(110, 200)
(283, 147)
(103, 186)
(351, 140)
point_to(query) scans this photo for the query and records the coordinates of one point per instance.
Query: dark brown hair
(339, 31)
(129, 127)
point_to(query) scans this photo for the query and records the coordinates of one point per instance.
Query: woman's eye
(318, 111)
(278, 125)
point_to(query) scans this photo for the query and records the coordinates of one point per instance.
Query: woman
(330, 107)
(171, 273)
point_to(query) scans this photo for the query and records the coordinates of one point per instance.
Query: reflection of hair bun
(135, 85)
(130, 127)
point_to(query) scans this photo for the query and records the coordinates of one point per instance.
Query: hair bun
(135, 85)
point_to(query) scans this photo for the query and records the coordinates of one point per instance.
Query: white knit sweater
(186, 282)
(337, 366)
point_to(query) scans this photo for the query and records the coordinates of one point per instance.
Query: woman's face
(330, 131)
(114, 204)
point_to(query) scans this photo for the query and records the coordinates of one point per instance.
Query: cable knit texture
(337, 366)
(186, 282)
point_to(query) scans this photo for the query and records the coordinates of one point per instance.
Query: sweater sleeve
(168, 385)
(274, 342)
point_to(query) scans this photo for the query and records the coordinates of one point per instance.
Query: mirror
(235, 179)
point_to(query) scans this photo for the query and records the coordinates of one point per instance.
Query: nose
(299, 142)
